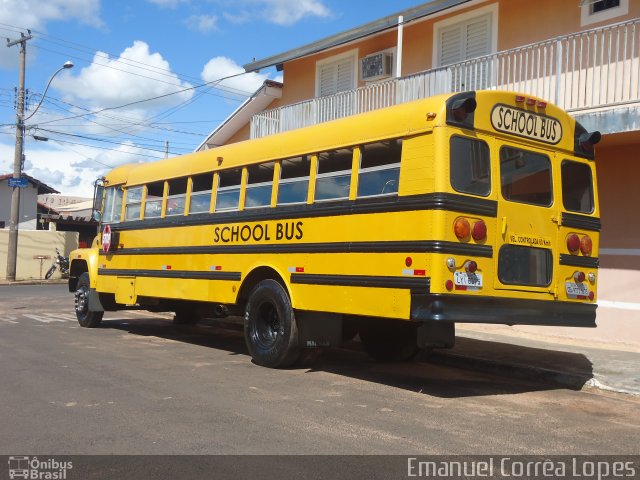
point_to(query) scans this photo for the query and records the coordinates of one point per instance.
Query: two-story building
(583, 55)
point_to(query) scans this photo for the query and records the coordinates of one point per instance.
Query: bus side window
(112, 204)
(177, 196)
(133, 203)
(379, 168)
(294, 180)
(470, 166)
(201, 193)
(153, 203)
(228, 192)
(259, 185)
(334, 174)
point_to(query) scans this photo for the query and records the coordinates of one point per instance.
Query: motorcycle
(60, 262)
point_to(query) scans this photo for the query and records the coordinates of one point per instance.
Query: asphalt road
(140, 385)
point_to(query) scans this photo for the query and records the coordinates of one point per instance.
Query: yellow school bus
(477, 207)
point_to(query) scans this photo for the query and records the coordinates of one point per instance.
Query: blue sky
(128, 51)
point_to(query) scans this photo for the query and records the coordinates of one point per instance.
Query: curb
(57, 281)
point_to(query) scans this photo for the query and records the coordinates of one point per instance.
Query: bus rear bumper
(507, 311)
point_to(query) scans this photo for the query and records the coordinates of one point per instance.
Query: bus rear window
(470, 166)
(577, 187)
(525, 177)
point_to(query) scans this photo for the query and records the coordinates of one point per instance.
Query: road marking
(9, 319)
(48, 317)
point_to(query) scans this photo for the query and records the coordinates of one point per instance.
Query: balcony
(586, 72)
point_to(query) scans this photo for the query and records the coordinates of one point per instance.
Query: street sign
(22, 182)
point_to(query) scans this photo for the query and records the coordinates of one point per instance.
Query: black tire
(47, 275)
(86, 318)
(270, 328)
(388, 340)
(184, 316)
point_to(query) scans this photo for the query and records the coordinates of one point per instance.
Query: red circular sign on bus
(106, 239)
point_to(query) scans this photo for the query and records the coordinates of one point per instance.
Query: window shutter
(336, 77)
(465, 40)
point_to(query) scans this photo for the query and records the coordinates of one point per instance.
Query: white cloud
(202, 23)
(288, 12)
(109, 82)
(222, 67)
(35, 14)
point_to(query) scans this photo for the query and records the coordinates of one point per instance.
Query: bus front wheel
(388, 340)
(86, 318)
(270, 328)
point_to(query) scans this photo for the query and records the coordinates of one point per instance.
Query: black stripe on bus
(415, 284)
(427, 246)
(183, 274)
(581, 221)
(575, 261)
(430, 201)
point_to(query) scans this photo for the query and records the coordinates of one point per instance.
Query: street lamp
(12, 247)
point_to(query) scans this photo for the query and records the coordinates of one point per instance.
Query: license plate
(576, 289)
(473, 280)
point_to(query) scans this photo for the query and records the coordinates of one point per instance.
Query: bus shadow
(456, 373)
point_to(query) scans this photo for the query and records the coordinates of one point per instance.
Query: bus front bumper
(506, 311)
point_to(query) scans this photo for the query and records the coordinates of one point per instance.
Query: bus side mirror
(97, 216)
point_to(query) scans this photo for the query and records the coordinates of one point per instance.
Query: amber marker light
(573, 243)
(461, 228)
(586, 245)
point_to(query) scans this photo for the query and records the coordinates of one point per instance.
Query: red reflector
(591, 296)
(573, 243)
(421, 273)
(299, 269)
(479, 231)
(449, 285)
(218, 267)
(408, 261)
(168, 267)
(531, 101)
(520, 98)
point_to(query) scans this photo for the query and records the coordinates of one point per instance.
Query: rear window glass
(470, 166)
(577, 187)
(518, 265)
(525, 177)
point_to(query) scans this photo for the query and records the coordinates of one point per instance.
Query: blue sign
(22, 182)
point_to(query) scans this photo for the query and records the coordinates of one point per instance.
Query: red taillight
(592, 296)
(479, 231)
(461, 228)
(579, 277)
(471, 266)
(573, 243)
(448, 285)
(408, 261)
(586, 246)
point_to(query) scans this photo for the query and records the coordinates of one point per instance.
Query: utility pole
(166, 149)
(12, 250)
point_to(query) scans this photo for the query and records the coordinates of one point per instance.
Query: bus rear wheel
(388, 340)
(86, 318)
(270, 328)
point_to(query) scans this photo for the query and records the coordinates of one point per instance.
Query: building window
(596, 11)
(336, 74)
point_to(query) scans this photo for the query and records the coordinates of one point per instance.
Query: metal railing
(586, 70)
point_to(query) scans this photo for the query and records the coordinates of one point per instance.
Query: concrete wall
(33, 243)
(28, 206)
